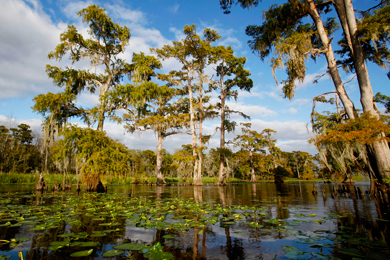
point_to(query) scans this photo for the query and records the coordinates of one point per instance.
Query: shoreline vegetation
(51, 179)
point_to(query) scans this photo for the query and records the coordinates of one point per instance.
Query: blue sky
(30, 30)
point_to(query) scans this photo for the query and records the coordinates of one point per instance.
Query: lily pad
(66, 235)
(22, 239)
(111, 253)
(290, 248)
(298, 255)
(82, 253)
(85, 244)
(130, 246)
(169, 236)
(305, 241)
(322, 256)
(98, 234)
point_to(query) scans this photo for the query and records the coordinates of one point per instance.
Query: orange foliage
(365, 129)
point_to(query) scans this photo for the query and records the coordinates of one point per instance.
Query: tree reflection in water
(251, 221)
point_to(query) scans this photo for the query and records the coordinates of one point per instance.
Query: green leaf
(298, 255)
(22, 239)
(130, 246)
(169, 236)
(85, 244)
(98, 234)
(322, 256)
(66, 235)
(111, 253)
(290, 248)
(82, 253)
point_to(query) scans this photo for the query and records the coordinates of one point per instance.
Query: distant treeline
(22, 151)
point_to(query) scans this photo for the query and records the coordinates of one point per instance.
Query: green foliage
(184, 161)
(93, 152)
(193, 53)
(107, 41)
(227, 4)
(18, 153)
(251, 140)
(282, 172)
(293, 40)
(374, 34)
(384, 100)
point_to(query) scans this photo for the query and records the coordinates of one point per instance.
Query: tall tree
(193, 53)
(106, 43)
(160, 112)
(294, 41)
(252, 141)
(380, 148)
(231, 73)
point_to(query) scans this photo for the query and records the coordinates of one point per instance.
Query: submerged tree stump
(57, 187)
(68, 185)
(279, 179)
(41, 185)
(95, 184)
(348, 179)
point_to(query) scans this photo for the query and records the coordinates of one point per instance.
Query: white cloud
(297, 145)
(300, 102)
(70, 9)
(292, 110)
(290, 135)
(88, 100)
(231, 41)
(34, 123)
(24, 47)
(146, 140)
(308, 81)
(251, 110)
(173, 9)
(288, 130)
(178, 33)
(253, 93)
(119, 12)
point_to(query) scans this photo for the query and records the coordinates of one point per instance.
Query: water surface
(239, 221)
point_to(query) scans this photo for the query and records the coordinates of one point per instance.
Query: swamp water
(239, 221)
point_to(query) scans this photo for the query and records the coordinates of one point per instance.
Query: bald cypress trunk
(160, 176)
(253, 175)
(379, 149)
(194, 139)
(221, 173)
(198, 173)
(332, 66)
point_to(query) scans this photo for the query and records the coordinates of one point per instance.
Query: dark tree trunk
(41, 185)
(95, 184)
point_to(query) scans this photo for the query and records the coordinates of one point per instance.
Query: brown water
(254, 221)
